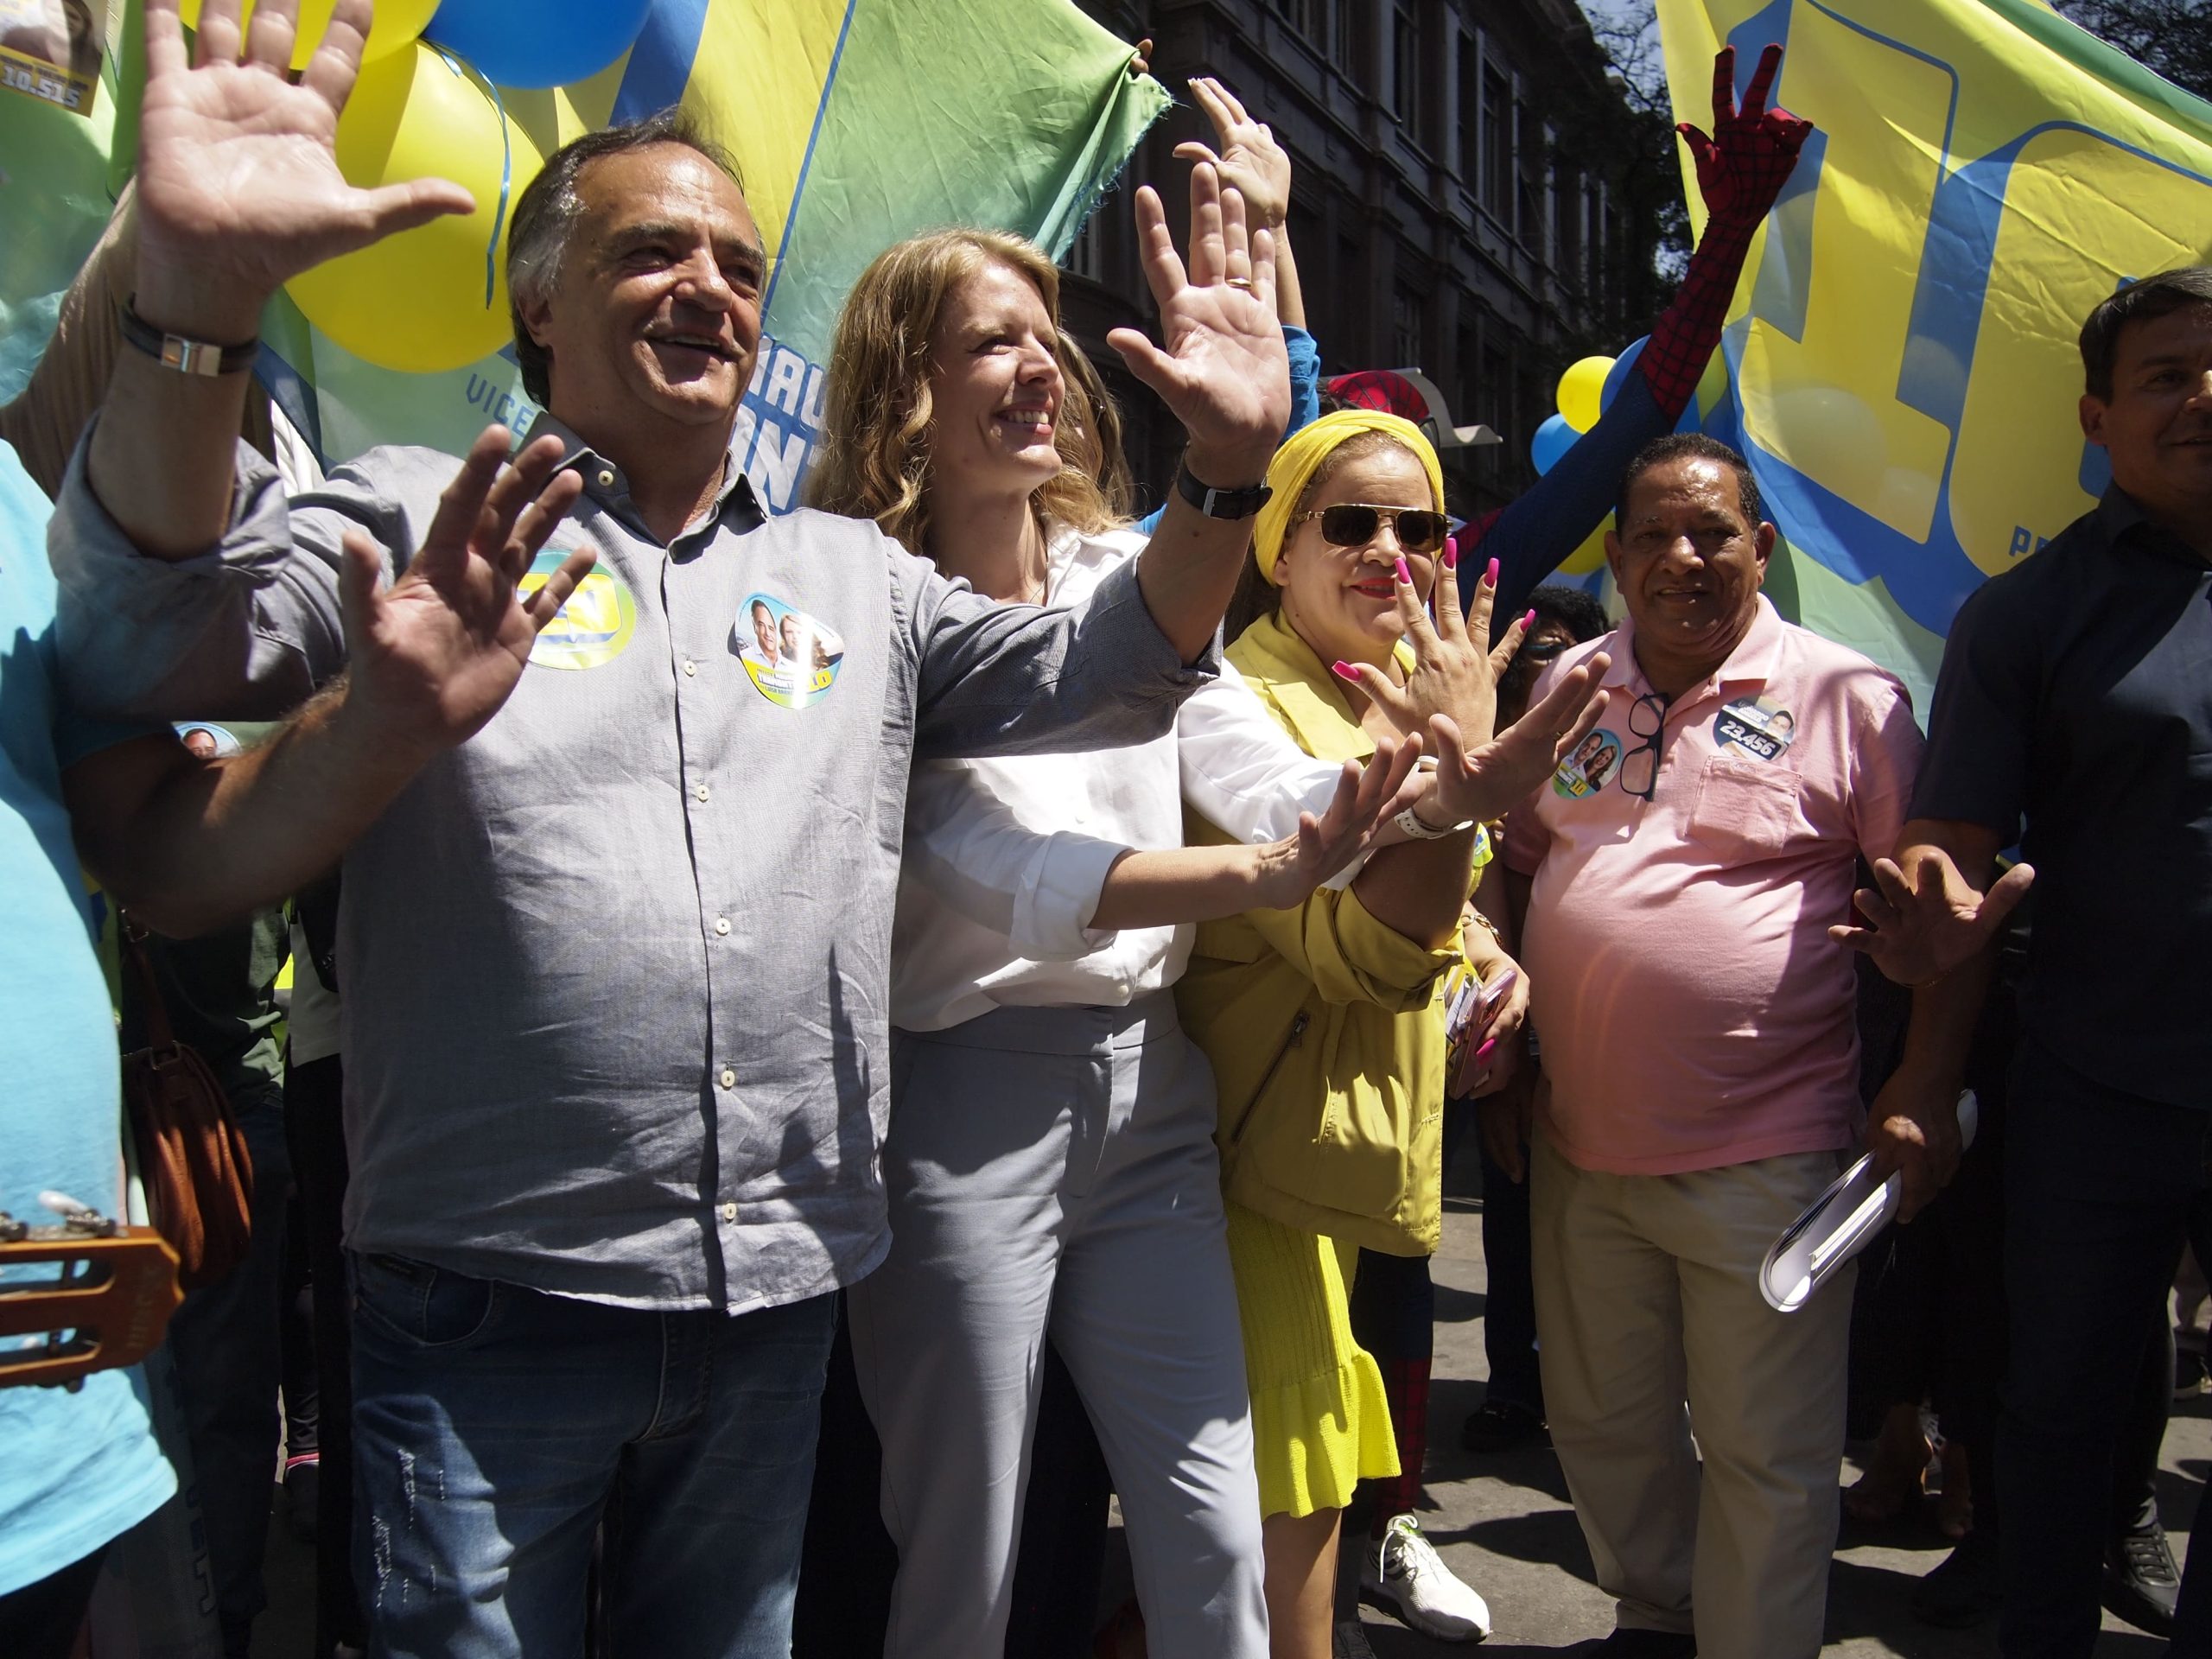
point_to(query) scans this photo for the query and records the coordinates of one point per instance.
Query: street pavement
(1504, 1525)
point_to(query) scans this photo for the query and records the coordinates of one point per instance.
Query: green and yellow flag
(855, 123)
(1902, 360)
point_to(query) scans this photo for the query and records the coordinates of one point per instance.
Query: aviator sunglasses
(1354, 523)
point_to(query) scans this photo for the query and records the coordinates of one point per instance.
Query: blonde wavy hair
(875, 456)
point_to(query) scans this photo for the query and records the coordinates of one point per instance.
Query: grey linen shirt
(615, 971)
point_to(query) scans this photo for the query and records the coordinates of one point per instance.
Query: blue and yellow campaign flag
(1902, 363)
(855, 123)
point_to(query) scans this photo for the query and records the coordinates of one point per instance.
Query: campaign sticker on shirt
(208, 741)
(1756, 726)
(792, 659)
(1590, 768)
(592, 628)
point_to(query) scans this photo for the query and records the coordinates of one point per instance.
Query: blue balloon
(1554, 439)
(538, 42)
(1619, 373)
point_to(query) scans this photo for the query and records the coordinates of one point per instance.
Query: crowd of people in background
(923, 1015)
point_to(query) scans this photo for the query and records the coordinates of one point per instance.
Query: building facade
(1457, 203)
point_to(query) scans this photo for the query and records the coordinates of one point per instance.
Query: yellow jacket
(1325, 1028)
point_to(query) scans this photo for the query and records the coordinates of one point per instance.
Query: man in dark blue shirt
(2076, 696)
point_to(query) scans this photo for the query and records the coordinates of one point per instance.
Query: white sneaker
(1404, 1569)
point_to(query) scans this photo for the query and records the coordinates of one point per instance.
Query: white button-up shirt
(1004, 859)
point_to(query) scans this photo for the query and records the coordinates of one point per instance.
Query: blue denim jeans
(495, 1427)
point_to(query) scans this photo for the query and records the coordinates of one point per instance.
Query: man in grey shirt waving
(615, 1031)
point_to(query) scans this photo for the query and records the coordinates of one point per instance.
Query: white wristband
(1416, 827)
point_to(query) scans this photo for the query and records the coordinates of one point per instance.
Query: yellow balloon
(1580, 389)
(418, 301)
(397, 23)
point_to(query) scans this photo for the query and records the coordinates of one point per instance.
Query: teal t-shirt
(75, 1468)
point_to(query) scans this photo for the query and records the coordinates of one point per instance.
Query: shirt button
(722, 924)
(606, 478)
(691, 667)
(727, 1076)
(702, 792)
(729, 1212)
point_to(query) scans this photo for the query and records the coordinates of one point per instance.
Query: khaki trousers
(1650, 1326)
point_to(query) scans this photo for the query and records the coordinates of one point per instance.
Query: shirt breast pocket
(1746, 809)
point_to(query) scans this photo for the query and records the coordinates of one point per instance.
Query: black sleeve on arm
(1981, 726)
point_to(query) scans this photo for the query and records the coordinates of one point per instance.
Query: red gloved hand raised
(1742, 167)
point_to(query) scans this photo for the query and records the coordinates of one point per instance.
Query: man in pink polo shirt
(1673, 887)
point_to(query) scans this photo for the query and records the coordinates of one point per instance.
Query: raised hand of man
(239, 186)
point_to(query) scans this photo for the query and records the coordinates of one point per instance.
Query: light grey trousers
(1053, 1168)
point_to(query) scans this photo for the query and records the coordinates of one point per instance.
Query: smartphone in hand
(1473, 1009)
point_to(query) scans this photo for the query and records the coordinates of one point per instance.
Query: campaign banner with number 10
(1902, 357)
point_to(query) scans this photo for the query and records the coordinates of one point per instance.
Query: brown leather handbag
(192, 1155)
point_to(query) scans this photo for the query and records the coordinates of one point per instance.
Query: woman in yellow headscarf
(1327, 1024)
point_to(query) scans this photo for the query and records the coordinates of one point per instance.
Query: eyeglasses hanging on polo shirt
(1642, 760)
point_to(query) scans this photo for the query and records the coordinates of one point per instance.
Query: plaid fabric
(1405, 1382)
(1741, 168)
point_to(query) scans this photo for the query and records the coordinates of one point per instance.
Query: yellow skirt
(1320, 1423)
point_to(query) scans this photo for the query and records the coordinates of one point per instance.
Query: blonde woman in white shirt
(1050, 1163)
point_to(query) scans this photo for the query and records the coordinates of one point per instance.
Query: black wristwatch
(1220, 504)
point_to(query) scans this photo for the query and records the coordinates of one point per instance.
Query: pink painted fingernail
(1405, 574)
(1344, 670)
(1450, 554)
(1529, 621)
(1483, 1053)
(1490, 574)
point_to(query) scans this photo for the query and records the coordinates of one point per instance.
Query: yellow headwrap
(1301, 456)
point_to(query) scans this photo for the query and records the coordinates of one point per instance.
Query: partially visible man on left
(186, 842)
(612, 1144)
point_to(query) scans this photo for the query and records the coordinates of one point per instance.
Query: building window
(1567, 222)
(1409, 326)
(1528, 192)
(1494, 403)
(1471, 90)
(1325, 23)
(1595, 207)
(1530, 407)
(1351, 330)
(1405, 72)
(1467, 396)
(1497, 145)
(1087, 253)
(1616, 283)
